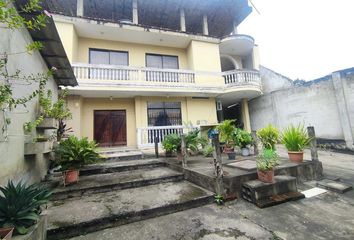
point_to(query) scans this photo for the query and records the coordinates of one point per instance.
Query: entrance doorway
(110, 128)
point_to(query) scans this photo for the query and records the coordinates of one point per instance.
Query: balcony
(107, 80)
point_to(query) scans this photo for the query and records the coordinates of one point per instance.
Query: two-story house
(147, 68)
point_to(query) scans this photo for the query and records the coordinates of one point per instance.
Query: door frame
(126, 126)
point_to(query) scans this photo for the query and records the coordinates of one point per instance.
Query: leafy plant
(28, 127)
(62, 130)
(295, 138)
(226, 130)
(219, 199)
(73, 153)
(171, 143)
(208, 150)
(269, 136)
(20, 205)
(267, 160)
(242, 138)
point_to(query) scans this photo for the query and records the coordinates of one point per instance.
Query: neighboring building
(16, 163)
(326, 103)
(145, 68)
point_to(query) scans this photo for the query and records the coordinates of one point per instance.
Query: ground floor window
(164, 113)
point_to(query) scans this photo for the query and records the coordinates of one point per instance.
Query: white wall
(312, 103)
(12, 161)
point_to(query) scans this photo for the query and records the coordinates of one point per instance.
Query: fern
(295, 138)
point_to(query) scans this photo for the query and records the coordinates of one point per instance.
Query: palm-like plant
(226, 130)
(20, 205)
(73, 153)
(295, 138)
(269, 136)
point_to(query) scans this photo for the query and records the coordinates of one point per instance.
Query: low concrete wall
(326, 103)
(36, 232)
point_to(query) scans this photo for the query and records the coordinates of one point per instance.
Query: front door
(110, 128)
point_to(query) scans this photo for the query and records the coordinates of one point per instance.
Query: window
(108, 57)
(161, 61)
(164, 113)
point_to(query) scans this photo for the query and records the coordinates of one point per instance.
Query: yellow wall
(69, 39)
(201, 110)
(91, 104)
(136, 51)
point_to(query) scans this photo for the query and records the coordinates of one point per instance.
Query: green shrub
(171, 143)
(73, 153)
(242, 138)
(269, 136)
(226, 130)
(208, 150)
(267, 160)
(295, 138)
(20, 205)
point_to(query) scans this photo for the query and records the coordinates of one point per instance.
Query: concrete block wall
(326, 103)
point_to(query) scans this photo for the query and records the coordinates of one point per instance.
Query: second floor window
(161, 61)
(108, 57)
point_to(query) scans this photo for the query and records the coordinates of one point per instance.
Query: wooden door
(110, 128)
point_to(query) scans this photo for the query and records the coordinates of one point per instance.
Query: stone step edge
(129, 217)
(71, 193)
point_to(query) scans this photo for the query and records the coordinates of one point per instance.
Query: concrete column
(255, 57)
(205, 25)
(235, 31)
(343, 109)
(246, 115)
(182, 20)
(80, 8)
(135, 12)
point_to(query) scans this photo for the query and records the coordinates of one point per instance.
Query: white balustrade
(240, 77)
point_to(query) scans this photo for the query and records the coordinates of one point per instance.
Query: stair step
(100, 183)
(77, 216)
(334, 186)
(121, 155)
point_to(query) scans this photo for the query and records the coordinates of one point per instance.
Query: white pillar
(205, 25)
(246, 115)
(343, 109)
(135, 12)
(80, 8)
(182, 20)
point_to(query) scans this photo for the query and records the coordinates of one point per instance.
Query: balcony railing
(146, 136)
(241, 77)
(125, 73)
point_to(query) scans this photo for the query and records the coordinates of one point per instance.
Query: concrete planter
(38, 148)
(36, 232)
(48, 123)
(297, 157)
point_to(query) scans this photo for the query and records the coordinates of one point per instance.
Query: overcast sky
(303, 39)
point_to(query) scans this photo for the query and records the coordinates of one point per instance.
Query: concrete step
(120, 155)
(77, 216)
(100, 183)
(335, 186)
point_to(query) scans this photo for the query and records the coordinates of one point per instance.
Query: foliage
(219, 199)
(171, 143)
(226, 130)
(242, 138)
(269, 136)
(28, 127)
(267, 160)
(295, 138)
(58, 110)
(62, 130)
(208, 150)
(20, 205)
(73, 153)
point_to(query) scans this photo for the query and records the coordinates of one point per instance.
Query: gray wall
(14, 165)
(315, 103)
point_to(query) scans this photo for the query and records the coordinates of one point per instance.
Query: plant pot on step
(6, 233)
(266, 176)
(230, 153)
(297, 157)
(245, 152)
(70, 176)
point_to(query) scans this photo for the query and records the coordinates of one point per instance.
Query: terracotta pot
(266, 176)
(6, 233)
(71, 176)
(228, 150)
(297, 157)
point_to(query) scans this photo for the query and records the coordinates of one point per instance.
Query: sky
(303, 39)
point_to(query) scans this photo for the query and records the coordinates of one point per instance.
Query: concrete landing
(115, 181)
(118, 154)
(76, 216)
(335, 186)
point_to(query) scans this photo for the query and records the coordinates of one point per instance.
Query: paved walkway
(326, 216)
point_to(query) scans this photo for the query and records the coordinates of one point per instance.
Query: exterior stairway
(116, 193)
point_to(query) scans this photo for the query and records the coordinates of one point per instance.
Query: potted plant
(243, 139)
(295, 139)
(266, 162)
(171, 143)
(72, 154)
(269, 136)
(226, 130)
(20, 207)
